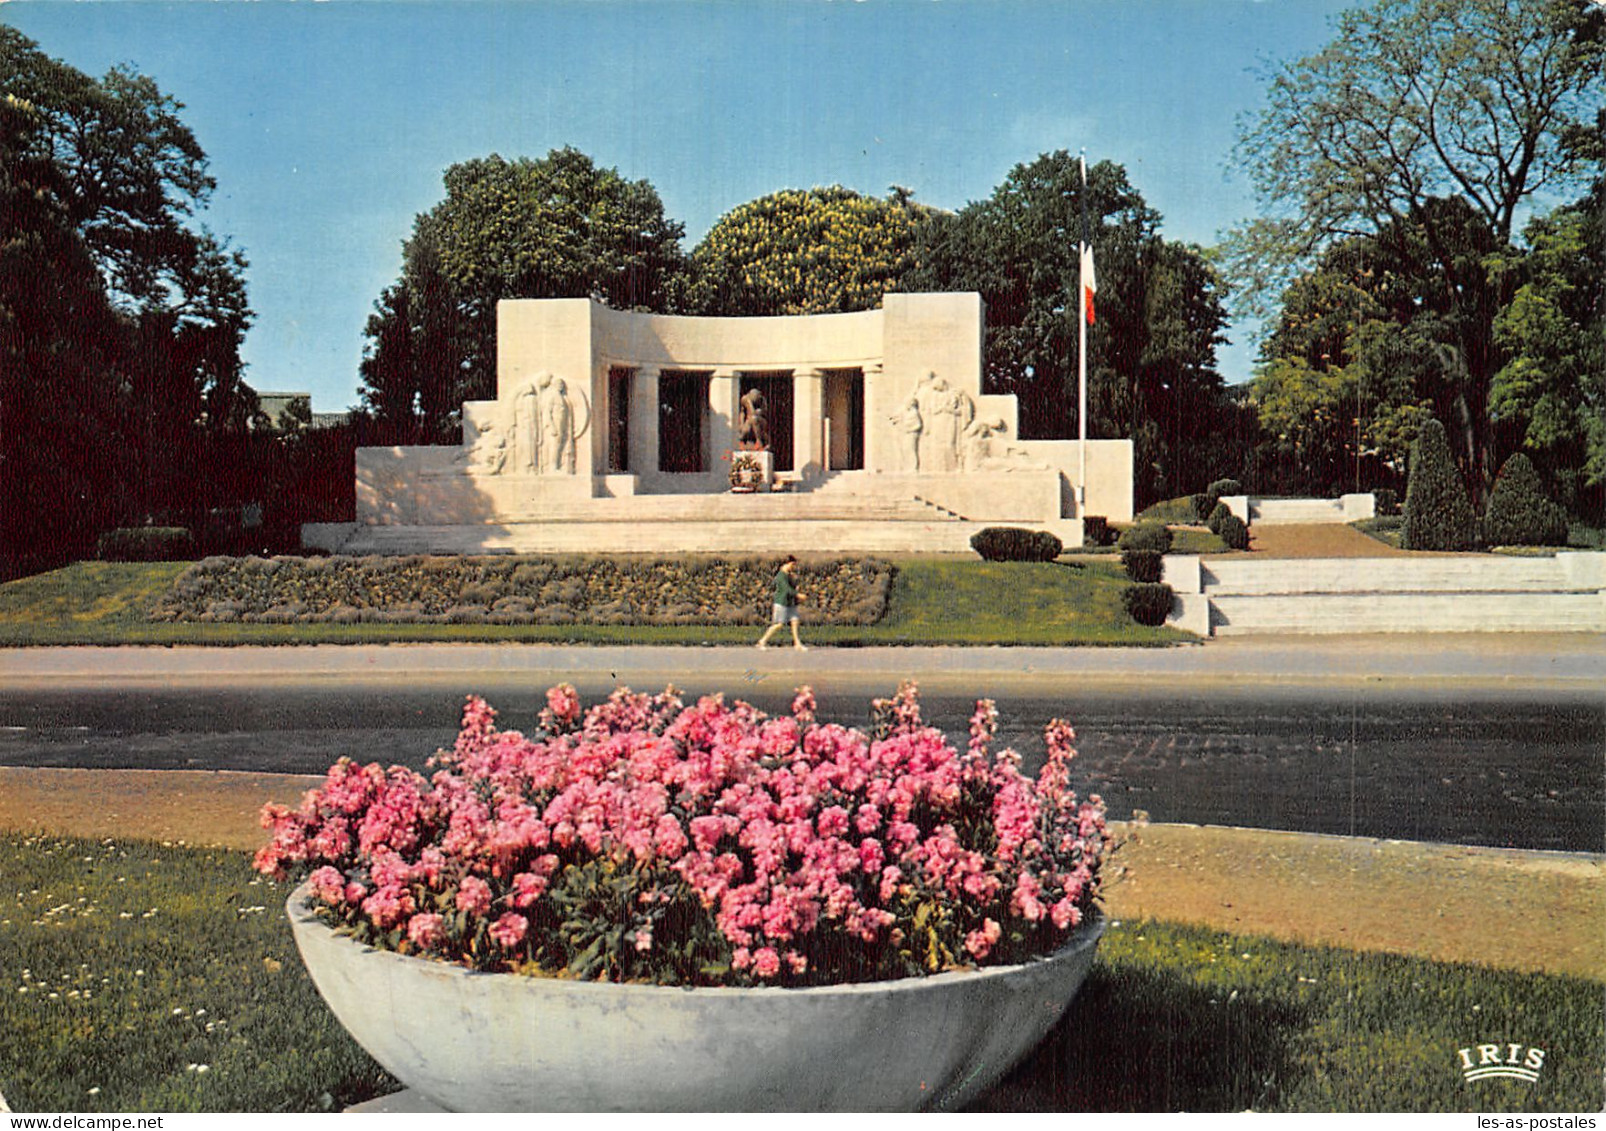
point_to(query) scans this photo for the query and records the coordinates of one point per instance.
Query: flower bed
(645, 840)
(518, 590)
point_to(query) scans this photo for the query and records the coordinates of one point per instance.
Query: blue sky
(329, 124)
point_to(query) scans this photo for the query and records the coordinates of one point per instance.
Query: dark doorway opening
(844, 408)
(777, 390)
(682, 412)
(620, 380)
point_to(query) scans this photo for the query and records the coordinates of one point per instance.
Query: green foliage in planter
(1143, 565)
(1146, 536)
(1013, 544)
(508, 590)
(1233, 531)
(1438, 514)
(1519, 511)
(145, 544)
(1386, 501)
(1148, 603)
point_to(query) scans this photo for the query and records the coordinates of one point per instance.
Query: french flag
(1090, 284)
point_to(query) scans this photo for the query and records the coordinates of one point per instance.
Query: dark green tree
(123, 318)
(1438, 514)
(820, 251)
(1520, 512)
(1151, 356)
(1426, 125)
(1549, 398)
(558, 227)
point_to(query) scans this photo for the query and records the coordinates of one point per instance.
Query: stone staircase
(1448, 593)
(834, 515)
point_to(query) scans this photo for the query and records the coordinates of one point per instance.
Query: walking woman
(785, 610)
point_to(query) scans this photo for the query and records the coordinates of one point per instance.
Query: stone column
(724, 393)
(644, 423)
(880, 454)
(808, 433)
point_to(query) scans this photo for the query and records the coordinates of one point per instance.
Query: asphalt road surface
(1509, 768)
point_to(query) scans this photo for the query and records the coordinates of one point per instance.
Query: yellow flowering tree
(815, 251)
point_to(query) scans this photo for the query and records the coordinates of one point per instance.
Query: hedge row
(519, 590)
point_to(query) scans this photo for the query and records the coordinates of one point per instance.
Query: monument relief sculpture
(489, 451)
(752, 423)
(544, 428)
(907, 424)
(985, 450)
(557, 428)
(945, 414)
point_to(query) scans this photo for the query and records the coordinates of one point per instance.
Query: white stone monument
(614, 430)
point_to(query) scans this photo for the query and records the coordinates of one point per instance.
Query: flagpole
(1081, 351)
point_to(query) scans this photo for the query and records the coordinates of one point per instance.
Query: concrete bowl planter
(501, 1042)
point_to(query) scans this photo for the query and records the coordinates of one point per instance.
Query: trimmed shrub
(1386, 501)
(1146, 536)
(1202, 505)
(1438, 515)
(1013, 544)
(1148, 604)
(1096, 531)
(145, 544)
(1143, 565)
(1225, 487)
(1219, 512)
(1233, 531)
(1519, 512)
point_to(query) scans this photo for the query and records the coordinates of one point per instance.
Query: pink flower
(644, 939)
(766, 963)
(508, 931)
(388, 906)
(425, 931)
(474, 896)
(328, 884)
(564, 703)
(980, 942)
(1065, 913)
(833, 821)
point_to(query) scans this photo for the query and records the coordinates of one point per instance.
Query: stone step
(1408, 612)
(1294, 511)
(757, 507)
(1479, 573)
(778, 536)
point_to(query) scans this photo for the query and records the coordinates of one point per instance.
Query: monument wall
(596, 406)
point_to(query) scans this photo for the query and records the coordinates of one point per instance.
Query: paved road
(1462, 740)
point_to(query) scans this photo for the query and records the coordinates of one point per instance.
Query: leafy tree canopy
(1151, 355)
(820, 251)
(121, 318)
(1415, 138)
(557, 227)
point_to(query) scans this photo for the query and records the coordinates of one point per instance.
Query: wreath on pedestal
(747, 472)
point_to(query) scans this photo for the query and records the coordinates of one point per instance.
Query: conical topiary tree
(1520, 513)
(1438, 515)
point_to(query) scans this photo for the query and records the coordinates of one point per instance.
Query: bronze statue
(752, 426)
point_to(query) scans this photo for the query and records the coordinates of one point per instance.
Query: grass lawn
(139, 976)
(934, 601)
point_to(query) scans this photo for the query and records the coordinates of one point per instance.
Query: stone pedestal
(751, 471)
